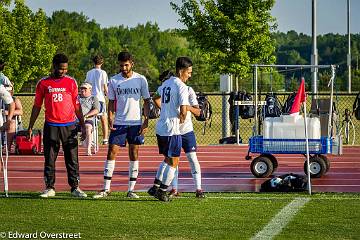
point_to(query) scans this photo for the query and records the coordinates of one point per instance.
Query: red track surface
(223, 169)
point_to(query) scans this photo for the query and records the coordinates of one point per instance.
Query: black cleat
(200, 193)
(162, 195)
(152, 191)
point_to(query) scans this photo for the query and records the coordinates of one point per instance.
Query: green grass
(219, 216)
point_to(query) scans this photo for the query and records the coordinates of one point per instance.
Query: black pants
(68, 137)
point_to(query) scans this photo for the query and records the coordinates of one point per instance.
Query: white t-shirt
(127, 92)
(174, 93)
(5, 97)
(187, 126)
(97, 78)
(4, 80)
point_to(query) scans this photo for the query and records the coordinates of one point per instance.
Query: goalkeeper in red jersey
(59, 93)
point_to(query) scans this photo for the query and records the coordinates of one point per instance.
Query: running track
(224, 169)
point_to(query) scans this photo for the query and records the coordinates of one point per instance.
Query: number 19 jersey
(60, 97)
(173, 93)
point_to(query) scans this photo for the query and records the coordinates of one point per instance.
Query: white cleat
(102, 194)
(49, 192)
(131, 194)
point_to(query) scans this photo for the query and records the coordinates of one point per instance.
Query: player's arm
(145, 123)
(106, 90)
(195, 110)
(183, 112)
(184, 102)
(34, 115)
(194, 105)
(111, 110)
(39, 98)
(157, 99)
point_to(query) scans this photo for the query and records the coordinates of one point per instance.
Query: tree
(233, 33)
(24, 44)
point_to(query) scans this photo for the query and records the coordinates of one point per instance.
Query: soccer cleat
(77, 192)
(49, 192)
(162, 195)
(131, 194)
(200, 193)
(105, 142)
(152, 191)
(102, 194)
(174, 193)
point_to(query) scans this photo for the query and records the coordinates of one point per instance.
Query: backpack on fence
(356, 107)
(245, 111)
(154, 111)
(272, 107)
(205, 110)
(288, 103)
(285, 183)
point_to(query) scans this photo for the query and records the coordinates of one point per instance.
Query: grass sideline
(219, 216)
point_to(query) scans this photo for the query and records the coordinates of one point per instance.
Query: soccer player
(126, 88)
(59, 93)
(174, 97)
(98, 79)
(188, 144)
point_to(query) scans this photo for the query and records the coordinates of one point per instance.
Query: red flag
(299, 98)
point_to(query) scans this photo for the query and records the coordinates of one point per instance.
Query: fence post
(225, 87)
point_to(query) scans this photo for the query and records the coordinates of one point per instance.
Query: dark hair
(98, 59)
(60, 58)
(2, 64)
(166, 75)
(182, 63)
(125, 56)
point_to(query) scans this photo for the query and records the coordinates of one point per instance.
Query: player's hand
(29, 134)
(111, 126)
(83, 133)
(144, 127)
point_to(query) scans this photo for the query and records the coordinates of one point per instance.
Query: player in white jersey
(188, 144)
(174, 97)
(98, 79)
(126, 88)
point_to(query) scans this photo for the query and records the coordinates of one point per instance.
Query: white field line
(277, 223)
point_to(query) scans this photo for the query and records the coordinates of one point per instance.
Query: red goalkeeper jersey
(60, 96)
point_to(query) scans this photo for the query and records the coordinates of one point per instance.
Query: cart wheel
(261, 167)
(272, 159)
(34, 150)
(317, 167)
(327, 162)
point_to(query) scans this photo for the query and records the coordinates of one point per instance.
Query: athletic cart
(315, 150)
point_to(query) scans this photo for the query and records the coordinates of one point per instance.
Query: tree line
(28, 40)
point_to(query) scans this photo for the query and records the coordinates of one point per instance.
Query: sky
(290, 14)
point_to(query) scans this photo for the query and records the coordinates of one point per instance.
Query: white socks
(133, 174)
(108, 172)
(160, 171)
(168, 175)
(195, 168)
(175, 180)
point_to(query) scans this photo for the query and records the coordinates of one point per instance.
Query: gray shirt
(88, 104)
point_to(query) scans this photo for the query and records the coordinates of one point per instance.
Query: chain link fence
(212, 132)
